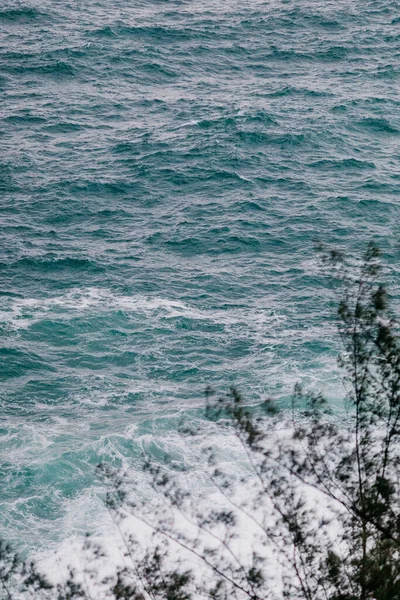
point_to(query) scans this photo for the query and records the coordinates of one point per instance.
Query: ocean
(166, 169)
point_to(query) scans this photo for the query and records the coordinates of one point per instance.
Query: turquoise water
(165, 170)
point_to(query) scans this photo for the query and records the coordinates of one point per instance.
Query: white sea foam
(25, 312)
(88, 508)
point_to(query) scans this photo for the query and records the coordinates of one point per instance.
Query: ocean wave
(379, 125)
(24, 13)
(56, 68)
(158, 33)
(343, 163)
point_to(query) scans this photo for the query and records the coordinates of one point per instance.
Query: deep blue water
(165, 170)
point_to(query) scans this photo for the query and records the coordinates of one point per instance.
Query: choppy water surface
(165, 168)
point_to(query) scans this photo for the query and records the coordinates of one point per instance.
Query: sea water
(166, 167)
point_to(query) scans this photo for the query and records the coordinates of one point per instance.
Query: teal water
(165, 169)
